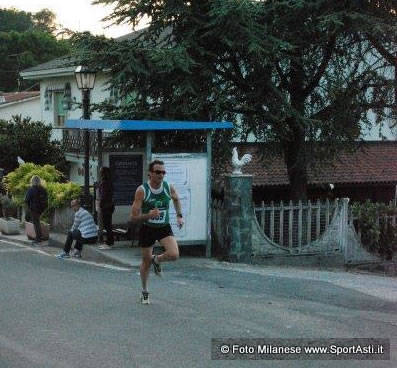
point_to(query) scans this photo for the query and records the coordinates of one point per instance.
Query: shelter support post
(148, 151)
(100, 164)
(209, 211)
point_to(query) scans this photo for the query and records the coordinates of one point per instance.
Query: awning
(146, 125)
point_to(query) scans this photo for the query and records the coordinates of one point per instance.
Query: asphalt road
(64, 314)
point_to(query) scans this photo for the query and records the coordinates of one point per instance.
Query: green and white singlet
(157, 198)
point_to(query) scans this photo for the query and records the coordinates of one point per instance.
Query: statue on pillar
(239, 163)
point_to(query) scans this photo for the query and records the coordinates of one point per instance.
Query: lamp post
(85, 79)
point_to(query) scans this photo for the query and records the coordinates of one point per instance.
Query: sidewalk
(121, 254)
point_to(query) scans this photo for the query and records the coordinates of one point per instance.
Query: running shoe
(145, 297)
(156, 267)
(63, 255)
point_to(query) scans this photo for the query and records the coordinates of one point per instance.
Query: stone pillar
(238, 217)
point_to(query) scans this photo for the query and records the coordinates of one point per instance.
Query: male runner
(151, 207)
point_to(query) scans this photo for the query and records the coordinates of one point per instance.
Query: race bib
(160, 219)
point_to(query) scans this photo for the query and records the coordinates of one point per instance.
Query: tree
(20, 21)
(300, 73)
(15, 20)
(45, 20)
(31, 141)
(26, 40)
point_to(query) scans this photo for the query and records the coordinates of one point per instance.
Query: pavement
(127, 255)
(122, 254)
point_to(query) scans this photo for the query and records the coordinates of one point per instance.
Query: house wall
(98, 94)
(26, 108)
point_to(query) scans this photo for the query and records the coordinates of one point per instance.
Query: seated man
(83, 231)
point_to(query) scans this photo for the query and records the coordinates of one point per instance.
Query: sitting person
(83, 231)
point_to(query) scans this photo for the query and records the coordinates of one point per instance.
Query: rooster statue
(20, 160)
(239, 163)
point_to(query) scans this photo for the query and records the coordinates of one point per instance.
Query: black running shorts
(148, 235)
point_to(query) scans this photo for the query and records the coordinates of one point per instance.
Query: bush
(374, 222)
(60, 194)
(31, 140)
(17, 182)
(7, 205)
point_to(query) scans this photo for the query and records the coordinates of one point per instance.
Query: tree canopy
(29, 140)
(299, 73)
(26, 40)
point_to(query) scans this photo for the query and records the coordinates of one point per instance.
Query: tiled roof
(7, 97)
(70, 61)
(373, 162)
(62, 62)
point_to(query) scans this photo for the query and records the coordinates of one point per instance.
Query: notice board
(127, 174)
(188, 173)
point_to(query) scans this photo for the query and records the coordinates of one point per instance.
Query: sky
(77, 15)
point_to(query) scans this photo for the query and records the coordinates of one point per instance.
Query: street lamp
(85, 79)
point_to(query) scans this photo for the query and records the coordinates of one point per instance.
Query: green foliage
(30, 140)
(378, 234)
(7, 205)
(295, 73)
(6, 202)
(15, 20)
(26, 40)
(18, 181)
(59, 194)
(45, 20)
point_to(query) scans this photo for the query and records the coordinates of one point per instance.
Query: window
(59, 113)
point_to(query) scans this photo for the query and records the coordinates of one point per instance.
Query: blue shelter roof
(148, 125)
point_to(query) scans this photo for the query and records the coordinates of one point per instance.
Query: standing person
(106, 205)
(36, 199)
(151, 207)
(83, 231)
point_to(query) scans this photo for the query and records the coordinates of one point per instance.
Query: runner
(151, 207)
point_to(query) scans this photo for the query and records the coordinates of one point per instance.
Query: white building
(26, 104)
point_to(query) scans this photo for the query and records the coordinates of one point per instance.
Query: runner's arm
(177, 205)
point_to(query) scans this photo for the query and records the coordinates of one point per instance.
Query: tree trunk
(296, 162)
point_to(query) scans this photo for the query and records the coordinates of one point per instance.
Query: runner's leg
(145, 266)
(171, 250)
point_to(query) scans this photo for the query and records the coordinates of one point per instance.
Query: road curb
(90, 253)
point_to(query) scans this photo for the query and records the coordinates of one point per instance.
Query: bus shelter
(189, 172)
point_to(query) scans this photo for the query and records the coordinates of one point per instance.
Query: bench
(120, 234)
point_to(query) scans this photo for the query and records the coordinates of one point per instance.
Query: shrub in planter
(17, 182)
(59, 193)
(8, 206)
(373, 221)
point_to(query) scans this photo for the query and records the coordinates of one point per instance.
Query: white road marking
(179, 282)
(24, 247)
(10, 250)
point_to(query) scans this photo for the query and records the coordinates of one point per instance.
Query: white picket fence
(287, 224)
(295, 224)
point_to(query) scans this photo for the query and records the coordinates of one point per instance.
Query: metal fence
(295, 224)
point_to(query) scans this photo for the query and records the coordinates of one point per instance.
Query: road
(64, 314)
